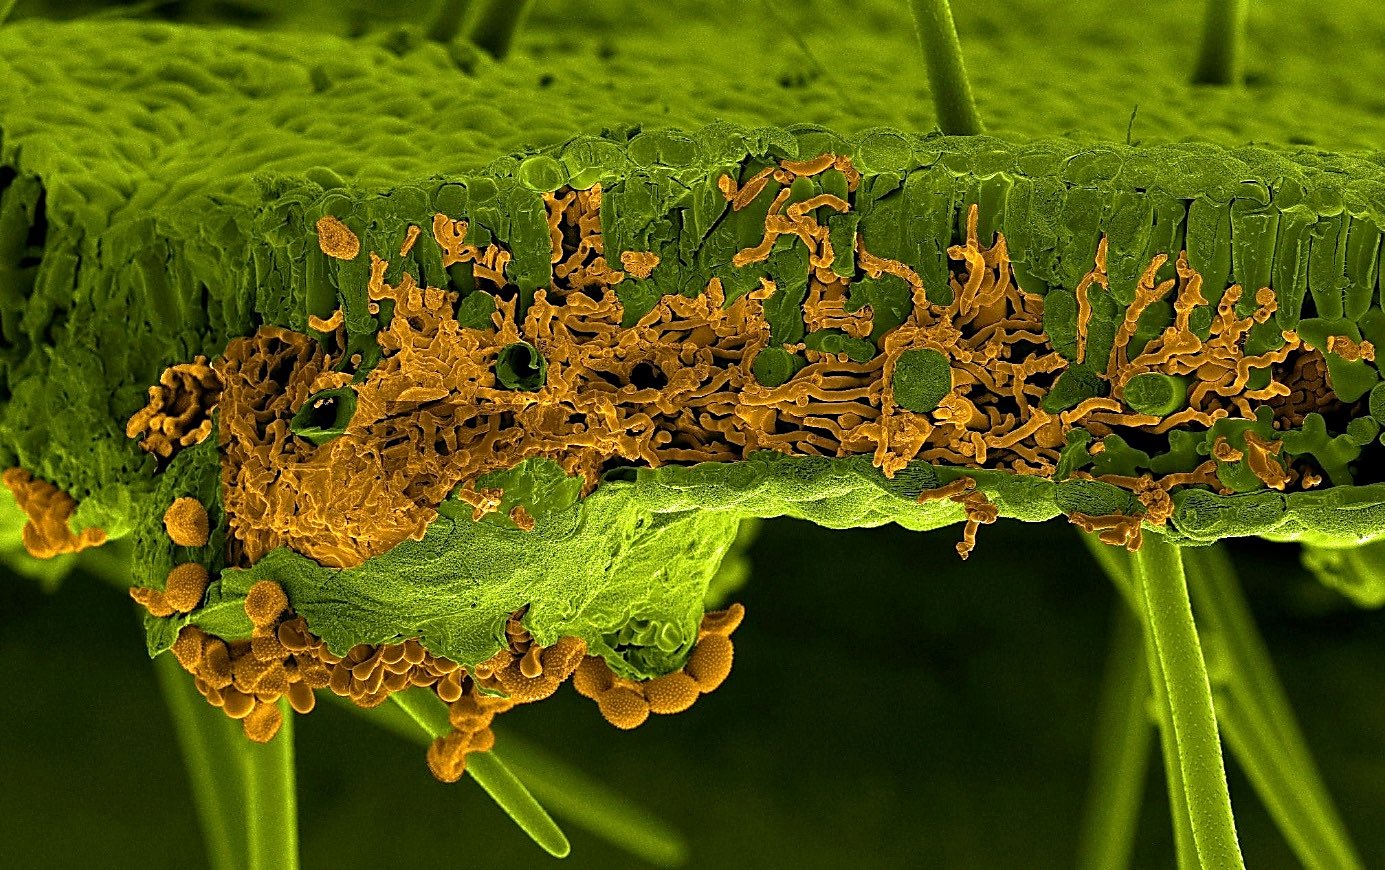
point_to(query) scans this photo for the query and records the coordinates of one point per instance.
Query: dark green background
(891, 706)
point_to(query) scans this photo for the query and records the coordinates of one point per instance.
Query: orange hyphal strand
(257, 449)
(627, 703)
(521, 518)
(1261, 454)
(1118, 530)
(805, 168)
(978, 509)
(46, 533)
(742, 196)
(409, 239)
(581, 266)
(1350, 350)
(179, 412)
(328, 324)
(1083, 292)
(825, 307)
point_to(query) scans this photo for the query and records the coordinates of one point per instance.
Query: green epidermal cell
(1118, 457)
(542, 173)
(1362, 430)
(921, 379)
(1350, 379)
(1377, 403)
(1333, 453)
(520, 366)
(648, 645)
(1074, 455)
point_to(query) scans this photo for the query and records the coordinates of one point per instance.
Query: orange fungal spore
(185, 586)
(283, 659)
(627, 703)
(186, 522)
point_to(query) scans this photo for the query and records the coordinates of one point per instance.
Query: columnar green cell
(1156, 394)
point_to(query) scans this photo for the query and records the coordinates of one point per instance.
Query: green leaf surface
(646, 547)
